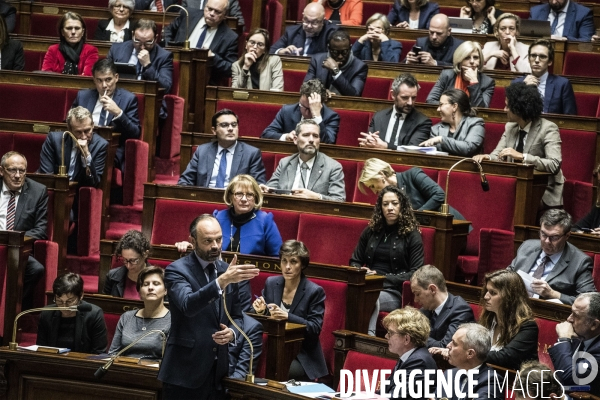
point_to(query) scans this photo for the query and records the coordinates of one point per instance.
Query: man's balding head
(313, 18)
(439, 29)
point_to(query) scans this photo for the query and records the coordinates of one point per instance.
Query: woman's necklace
(231, 240)
(385, 237)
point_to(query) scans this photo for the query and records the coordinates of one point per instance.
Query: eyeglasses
(125, 261)
(315, 22)
(121, 6)
(240, 195)
(392, 333)
(542, 57)
(226, 125)
(339, 52)
(552, 239)
(145, 44)
(15, 171)
(475, 1)
(67, 303)
(256, 44)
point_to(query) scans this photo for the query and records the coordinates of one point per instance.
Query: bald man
(438, 48)
(308, 38)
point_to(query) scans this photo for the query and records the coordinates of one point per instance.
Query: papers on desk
(426, 150)
(45, 349)
(311, 389)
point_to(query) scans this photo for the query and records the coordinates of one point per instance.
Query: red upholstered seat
(46, 252)
(546, 338)
(136, 173)
(287, 223)
(268, 159)
(351, 124)
(587, 104)
(272, 19)
(407, 46)
(370, 8)
(581, 64)
(257, 284)
(424, 89)
(292, 80)
(6, 145)
(30, 145)
(495, 251)
(3, 265)
(111, 321)
(361, 361)
(596, 271)
(349, 167)
(577, 198)
(43, 103)
(498, 98)
(331, 240)
(493, 133)
(90, 215)
(253, 117)
(476, 310)
(377, 88)
(450, 11)
(45, 25)
(578, 154)
(170, 137)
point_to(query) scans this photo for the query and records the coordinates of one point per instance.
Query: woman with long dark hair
(256, 68)
(483, 13)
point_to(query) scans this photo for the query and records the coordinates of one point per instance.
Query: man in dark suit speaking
(559, 270)
(215, 164)
(196, 356)
(23, 207)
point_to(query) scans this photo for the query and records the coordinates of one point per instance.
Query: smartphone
(586, 230)
(280, 191)
(416, 50)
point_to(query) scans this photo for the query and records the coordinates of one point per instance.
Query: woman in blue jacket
(375, 45)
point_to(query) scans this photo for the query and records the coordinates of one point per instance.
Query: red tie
(10, 212)
(159, 5)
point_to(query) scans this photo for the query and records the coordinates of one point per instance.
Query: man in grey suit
(559, 269)
(308, 174)
(23, 207)
(530, 139)
(401, 125)
(215, 164)
(234, 9)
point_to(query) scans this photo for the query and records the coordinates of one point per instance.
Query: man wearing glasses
(153, 63)
(308, 38)
(23, 207)
(310, 106)
(208, 30)
(215, 164)
(556, 91)
(341, 72)
(558, 269)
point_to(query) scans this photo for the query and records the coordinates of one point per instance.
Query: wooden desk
(239, 389)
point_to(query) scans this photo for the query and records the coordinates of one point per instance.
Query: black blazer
(102, 34)
(562, 358)
(415, 129)
(286, 119)
(482, 389)
(443, 54)
(419, 360)
(455, 312)
(90, 330)
(308, 308)
(114, 284)
(239, 353)
(295, 35)
(13, 57)
(351, 81)
(390, 51)
(480, 94)
(523, 347)
(590, 221)
(32, 210)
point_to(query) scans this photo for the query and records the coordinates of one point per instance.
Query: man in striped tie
(23, 207)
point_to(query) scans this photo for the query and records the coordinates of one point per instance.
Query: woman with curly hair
(132, 251)
(391, 245)
(506, 313)
(483, 13)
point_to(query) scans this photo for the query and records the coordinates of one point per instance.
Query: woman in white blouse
(118, 28)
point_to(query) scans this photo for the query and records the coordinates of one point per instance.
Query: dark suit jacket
(398, 14)
(224, 45)
(590, 221)
(559, 97)
(234, 9)
(196, 314)
(32, 210)
(456, 311)
(466, 141)
(102, 34)
(443, 54)
(390, 51)
(240, 354)
(288, 117)
(308, 308)
(562, 359)
(246, 160)
(9, 12)
(13, 57)
(419, 360)
(114, 284)
(480, 93)
(482, 389)
(351, 81)
(295, 35)
(571, 276)
(522, 347)
(50, 158)
(90, 330)
(579, 21)
(415, 129)
(145, 4)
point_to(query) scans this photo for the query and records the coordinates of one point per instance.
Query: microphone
(249, 375)
(62, 169)
(485, 185)
(186, 42)
(100, 372)
(13, 345)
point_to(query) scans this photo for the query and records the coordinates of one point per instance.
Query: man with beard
(196, 356)
(308, 174)
(568, 20)
(437, 48)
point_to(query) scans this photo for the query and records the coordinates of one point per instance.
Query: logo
(584, 369)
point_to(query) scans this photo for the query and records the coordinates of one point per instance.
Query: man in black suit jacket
(580, 333)
(438, 48)
(111, 106)
(31, 208)
(196, 356)
(401, 125)
(338, 69)
(308, 38)
(445, 311)
(234, 9)
(208, 29)
(153, 63)
(241, 158)
(310, 106)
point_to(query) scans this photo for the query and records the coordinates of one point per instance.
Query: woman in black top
(119, 28)
(132, 252)
(483, 13)
(391, 245)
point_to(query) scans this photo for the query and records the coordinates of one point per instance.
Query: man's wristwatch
(336, 71)
(564, 339)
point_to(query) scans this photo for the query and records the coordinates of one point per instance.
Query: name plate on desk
(45, 349)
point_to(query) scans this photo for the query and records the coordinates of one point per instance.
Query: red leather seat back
(577, 198)
(292, 80)
(546, 338)
(498, 98)
(272, 19)
(578, 154)
(349, 167)
(587, 104)
(3, 265)
(268, 159)
(596, 271)
(111, 321)
(43, 103)
(377, 88)
(493, 133)
(476, 310)
(30, 145)
(407, 46)
(424, 89)
(257, 284)
(351, 124)
(581, 64)
(6, 145)
(361, 361)
(450, 11)
(287, 223)
(370, 8)
(253, 117)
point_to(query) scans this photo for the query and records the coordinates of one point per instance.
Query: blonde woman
(507, 53)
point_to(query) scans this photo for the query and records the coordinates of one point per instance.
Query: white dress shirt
(390, 128)
(116, 37)
(298, 179)
(195, 35)
(561, 19)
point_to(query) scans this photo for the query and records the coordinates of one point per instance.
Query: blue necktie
(102, 120)
(554, 23)
(222, 170)
(202, 37)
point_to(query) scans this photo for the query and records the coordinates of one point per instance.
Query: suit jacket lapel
(198, 272)
(548, 92)
(23, 198)
(407, 128)
(299, 294)
(117, 100)
(300, 38)
(290, 172)
(218, 38)
(570, 17)
(278, 293)
(209, 161)
(316, 172)
(236, 161)
(561, 265)
(534, 130)
(386, 122)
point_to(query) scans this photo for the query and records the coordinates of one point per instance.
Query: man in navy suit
(437, 48)
(196, 356)
(29, 211)
(580, 333)
(208, 30)
(445, 311)
(214, 164)
(233, 10)
(556, 91)
(567, 19)
(153, 63)
(310, 106)
(308, 38)
(111, 106)
(338, 69)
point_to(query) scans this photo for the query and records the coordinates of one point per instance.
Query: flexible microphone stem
(100, 372)
(186, 42)
(445, 208)
(13, 345)
(62, 170)
(249, 375)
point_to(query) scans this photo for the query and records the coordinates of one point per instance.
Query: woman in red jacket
(72, 56)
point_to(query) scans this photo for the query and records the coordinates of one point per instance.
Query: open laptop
(461, 25)
(535, 28)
